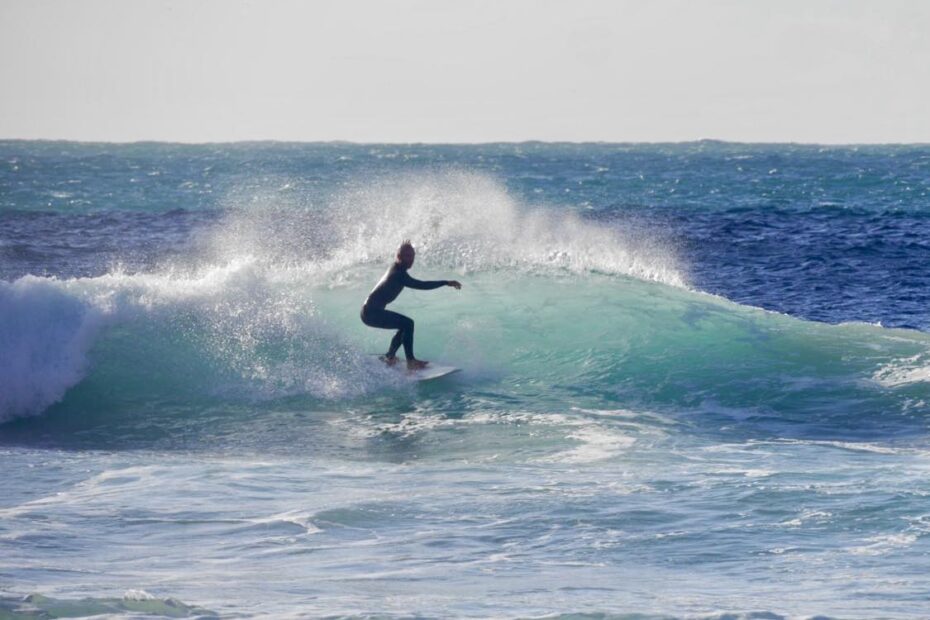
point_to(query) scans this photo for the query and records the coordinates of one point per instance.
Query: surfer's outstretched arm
(427, 285)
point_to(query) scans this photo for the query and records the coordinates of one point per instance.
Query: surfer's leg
(395, 343)
(386, 319)
(408, 340)
(403, 336)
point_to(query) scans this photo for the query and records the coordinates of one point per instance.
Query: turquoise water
(695, 381)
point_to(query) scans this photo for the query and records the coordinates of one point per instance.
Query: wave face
(681, 364)
(263, 304)
(240, 308)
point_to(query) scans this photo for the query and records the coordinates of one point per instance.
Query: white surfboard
(432, 371)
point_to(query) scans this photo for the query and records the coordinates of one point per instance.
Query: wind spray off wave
(460, 220)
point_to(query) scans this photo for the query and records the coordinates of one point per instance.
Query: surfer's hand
(454, 284)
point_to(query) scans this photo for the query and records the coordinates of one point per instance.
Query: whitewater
(696, 381)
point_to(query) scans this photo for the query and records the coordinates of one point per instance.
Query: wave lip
(45, 334)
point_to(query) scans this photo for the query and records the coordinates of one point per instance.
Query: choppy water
(696, 381)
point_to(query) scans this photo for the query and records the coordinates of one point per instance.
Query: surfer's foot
(390, 360)
(416, 364)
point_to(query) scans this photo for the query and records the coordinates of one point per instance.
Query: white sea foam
(588, 440)
(595, 443)
(300, 518)
(885, 543)
(913, 369)
(45, 333)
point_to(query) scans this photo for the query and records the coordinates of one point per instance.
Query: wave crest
(457, 219)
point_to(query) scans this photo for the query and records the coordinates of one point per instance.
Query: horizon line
(477, 143)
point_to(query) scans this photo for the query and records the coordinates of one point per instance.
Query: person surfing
(375, 314)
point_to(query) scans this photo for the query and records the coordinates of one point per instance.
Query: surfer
(388, 288)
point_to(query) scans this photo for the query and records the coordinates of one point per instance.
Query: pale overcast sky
(829, 71)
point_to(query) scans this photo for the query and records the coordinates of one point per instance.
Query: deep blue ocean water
(696, 381)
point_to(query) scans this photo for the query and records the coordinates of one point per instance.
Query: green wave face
(221, 357)
(558, 313)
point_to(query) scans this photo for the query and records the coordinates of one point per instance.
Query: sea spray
(459, 220)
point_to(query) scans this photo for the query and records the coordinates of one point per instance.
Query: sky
(826, 71)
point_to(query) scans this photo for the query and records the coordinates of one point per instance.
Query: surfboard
(431, 372)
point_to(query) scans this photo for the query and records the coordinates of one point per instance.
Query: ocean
(695, 381)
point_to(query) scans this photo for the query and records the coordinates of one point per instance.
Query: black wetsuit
(386, 291)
